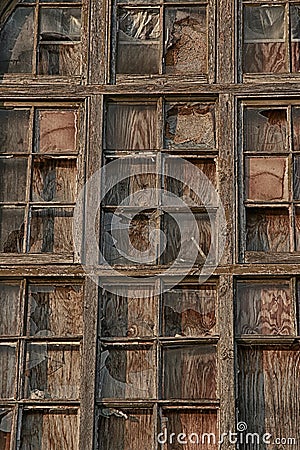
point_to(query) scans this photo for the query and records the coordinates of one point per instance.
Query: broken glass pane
(131, 127)
(189, 125)
(55, 311)
(11, 230)
(186, 40)
(7, 371)
(10, 308)
(14, 130)
(268, 229)
(51, 230)
(127, 372)
(264, 308)
(52, 371)
(54, 180)
(57, 130)
(13, 179)
(263, 23)
(138, 41)
(49, 429)
(296, 128)
(16, 39)
(267, 179)
(265, 130)
(128, 314)
(189, 372)
(59, 59)
(60, 24)
(189, 312)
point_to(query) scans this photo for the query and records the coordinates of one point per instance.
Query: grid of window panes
(38, 160)
(40, 362)
(42, 37)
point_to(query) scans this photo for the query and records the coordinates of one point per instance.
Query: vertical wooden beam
(99, 42)
(225, 41)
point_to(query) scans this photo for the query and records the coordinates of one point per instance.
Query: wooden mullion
(36, 37)
(85, 39)
(211, 39)
(287, 29)
(32, 126)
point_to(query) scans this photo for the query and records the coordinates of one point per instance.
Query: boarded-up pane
(130, 238)
(189, 372)
(51, 230)
(189, 125)
(199, 427)
(52, 371)
(264, 308)
(133, 314)
(59, 59)
(268, 382)
(14, 130)
(295, 36)
(7, 371)
(127, 372)
(131, 127)
(296, 128)
(9, 307)
(268, 230)
(188, 240)
(60, 24)
(55, 311)
(16, 40)
(53, 180)
(265, 130)
(264, 46)
(13, 173)
(267, 179)
(11, 230)
(57, 131)
(297, 229)
(189, 312)
(186, 40)
(6, 417)
(136, 190)
(138, 41)
(196, 190)
(126, 428)
(49, 429)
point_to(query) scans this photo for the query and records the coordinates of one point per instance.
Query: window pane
(186, 40)
(130, 238)
(297, 228)
(195, 424)
(264, 47)
(6, 418)
(268, 382)
(55, 311)
(127, 372)
(296, 174)
(189, 312)
(13, 179)
(11, 230)
(49, 429)
(51, 230)
(60, 24)
(57, 130)
(128, 314)
(52, 371)
(140, 188)
(189, 125)
(59, 59)
(7, 371)
(296, 128)
(132, 429)
(131, 127)
(189, 372)
(14, 130)
(10, 308)
(265, 130)
(54, 180)
(267, 179)
(16, 39)
(138, 41)
(295, 36)
(264, 308)
(268, 230)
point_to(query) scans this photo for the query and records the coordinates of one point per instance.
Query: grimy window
(42, 38)
(41, 331)
(271, 36)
